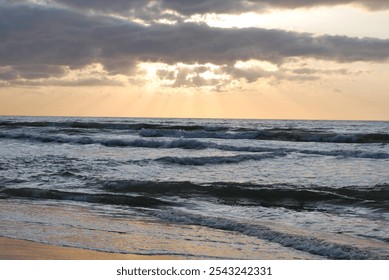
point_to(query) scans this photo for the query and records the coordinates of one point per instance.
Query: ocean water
(198, 188)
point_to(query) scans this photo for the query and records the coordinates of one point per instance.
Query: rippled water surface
(198, 188)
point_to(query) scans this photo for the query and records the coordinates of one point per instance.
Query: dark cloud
(191, 7)
(104, 5)
(38, 71)
(151, 11)
(7, 74)
(80, 82)
(36, 41)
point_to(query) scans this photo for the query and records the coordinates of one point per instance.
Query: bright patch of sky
(338, 20)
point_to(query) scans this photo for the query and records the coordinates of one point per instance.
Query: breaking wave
(101, 198)
(182, 143)
(173, 130)
(215, 160)
(308, 244)
(288, 196)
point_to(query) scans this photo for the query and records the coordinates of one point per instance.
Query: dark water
(198, 188)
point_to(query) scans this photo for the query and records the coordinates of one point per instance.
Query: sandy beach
(14, 249)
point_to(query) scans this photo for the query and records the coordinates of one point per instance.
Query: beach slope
(14, 249)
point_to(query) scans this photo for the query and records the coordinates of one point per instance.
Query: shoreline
(16, 249)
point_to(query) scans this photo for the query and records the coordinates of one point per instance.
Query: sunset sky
(273, 59)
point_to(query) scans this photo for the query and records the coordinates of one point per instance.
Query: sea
(198, 188)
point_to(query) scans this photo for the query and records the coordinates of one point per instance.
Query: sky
(256, 59)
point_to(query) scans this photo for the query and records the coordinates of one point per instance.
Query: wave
(153, 197)
(302, 135)
(110, 125)
(172, 133)
(293, 135)
(101, 198)
(198, 131)
(84, 140)
(308, 244)
(183, 144)
(376, 193)
(215, 160)
(287, 196)
(342, 153)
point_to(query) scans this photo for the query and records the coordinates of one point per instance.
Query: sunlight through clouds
(222, 47)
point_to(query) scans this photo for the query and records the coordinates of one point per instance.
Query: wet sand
(14, 249)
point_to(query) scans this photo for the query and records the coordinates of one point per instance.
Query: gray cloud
(38, 71)
(313, 71)
(37, 41)
(7, 74)
(225, 76)
(186, 76)
(250, 75)
(151, 11)
(81, 82)
(190, 7)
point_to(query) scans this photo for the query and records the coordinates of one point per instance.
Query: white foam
(308, 244)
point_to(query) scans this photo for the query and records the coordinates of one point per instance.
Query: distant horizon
(189, 118)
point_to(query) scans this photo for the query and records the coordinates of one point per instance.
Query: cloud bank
(39, 41)
(190, 7)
